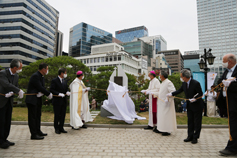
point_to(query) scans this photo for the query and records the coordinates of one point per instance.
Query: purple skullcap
(79, 72)
(152, 72)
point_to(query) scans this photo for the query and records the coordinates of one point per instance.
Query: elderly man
(230, 93)
(152, 91)
(192, 90)
(8, 86)
(166, 115)
(79, 103)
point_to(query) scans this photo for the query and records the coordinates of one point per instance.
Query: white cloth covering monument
(119, 106)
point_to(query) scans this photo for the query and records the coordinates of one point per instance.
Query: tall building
(191, 61)
(217, 29)
(127, 35)
(174, 58)
(59, 44)
(138, 49)
(28, 30)
(83, 36)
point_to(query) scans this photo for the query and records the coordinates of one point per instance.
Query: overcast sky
(175, 20)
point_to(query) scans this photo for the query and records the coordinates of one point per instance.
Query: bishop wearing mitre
(79, 103)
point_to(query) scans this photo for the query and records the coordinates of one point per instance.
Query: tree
(1, 68)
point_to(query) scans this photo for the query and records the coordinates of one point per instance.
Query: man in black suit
(59, 87)
(8, 86)
(229, 62)
(192, 90)
(34, 102)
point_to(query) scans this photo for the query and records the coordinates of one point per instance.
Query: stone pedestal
(104, 113)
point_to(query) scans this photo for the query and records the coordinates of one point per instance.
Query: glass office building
(127, 35)
(217, 29)
(191, 62)
(27, 30)
(83, 36)
(138, 49)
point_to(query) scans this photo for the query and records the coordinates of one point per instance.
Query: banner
(211, 76)
(200, 77)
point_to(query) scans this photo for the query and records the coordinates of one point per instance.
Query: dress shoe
(165, 134)
(36, 137)
(194, 141)
(10, 143)
(57, 131)
(189, 139)
(148, 128)
(4, 145)
(42, 134)
(63, 131)
(84, 126)
(227, 152)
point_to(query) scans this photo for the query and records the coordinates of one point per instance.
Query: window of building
(115, 58)
(106, 59)
(119, 58)
(87, 61)
(98, 59)
(95, 60)
(111, 58)
(91, 60)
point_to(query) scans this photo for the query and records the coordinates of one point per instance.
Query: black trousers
(194, 123)
(59, 115)
(232, 145)
(5, 121)
(34, 118)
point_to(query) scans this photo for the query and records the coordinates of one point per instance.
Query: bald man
(229, 62)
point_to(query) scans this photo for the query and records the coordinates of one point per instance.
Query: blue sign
(200, 77)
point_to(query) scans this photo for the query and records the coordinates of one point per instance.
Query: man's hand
(192, 100)
(39, 94)
(21, 94)
(226, 83)
(166, 100)
(147, 92)
(8, 95)
(68, 93)
(50, 96)
(88, 88)
(143, 91)
(169, 95)
(84, 90)
(61, 95)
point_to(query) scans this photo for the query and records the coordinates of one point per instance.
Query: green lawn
(21, 114)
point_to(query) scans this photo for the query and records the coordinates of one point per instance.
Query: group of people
(79, 102)
(162, 117)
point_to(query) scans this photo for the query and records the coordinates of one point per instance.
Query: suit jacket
(231, 92)
(58, 87)
(7, 85)
(36, 85)
(193, 89)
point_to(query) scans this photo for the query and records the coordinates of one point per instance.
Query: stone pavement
(113, 143)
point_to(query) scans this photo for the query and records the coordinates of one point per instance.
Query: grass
(21, 114)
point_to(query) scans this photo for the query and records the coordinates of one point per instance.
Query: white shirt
(211, 96)
(11, 71)
(229, 74)
(60, 79)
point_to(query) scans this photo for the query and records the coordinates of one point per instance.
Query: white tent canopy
(121, 107)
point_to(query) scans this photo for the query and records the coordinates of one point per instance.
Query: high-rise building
(59, 44)
(191, 61)
(127, 35)
(83, 36)
(217, 29)
(28, 30)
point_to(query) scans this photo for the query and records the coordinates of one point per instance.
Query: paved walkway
(113, 143)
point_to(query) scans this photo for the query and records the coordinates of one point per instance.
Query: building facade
(191, 62)
(127, 35)
(217, 29)
(174, 58)
(162, 64)
(28, 30)
(83, 36)
(59, 44)
(112, 54)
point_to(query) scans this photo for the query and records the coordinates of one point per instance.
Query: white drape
(121, 107)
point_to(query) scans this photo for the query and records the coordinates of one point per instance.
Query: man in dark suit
(229, 62)
(34, 102)
(59, 87)
(192, 90)
(8, 86)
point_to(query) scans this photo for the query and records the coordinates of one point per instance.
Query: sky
(175, 20)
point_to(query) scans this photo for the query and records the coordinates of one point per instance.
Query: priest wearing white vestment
(152, 91)
(79, 103)
(166, 115)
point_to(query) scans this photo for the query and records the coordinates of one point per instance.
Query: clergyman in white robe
(153, 88)
(166, 115)
(79, 104)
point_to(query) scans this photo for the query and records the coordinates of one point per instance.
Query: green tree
(1, 68)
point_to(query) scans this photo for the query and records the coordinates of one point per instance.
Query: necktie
(12, 78)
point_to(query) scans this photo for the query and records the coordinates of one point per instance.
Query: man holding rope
(229, 94)
(8, 86)
(193, 93)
